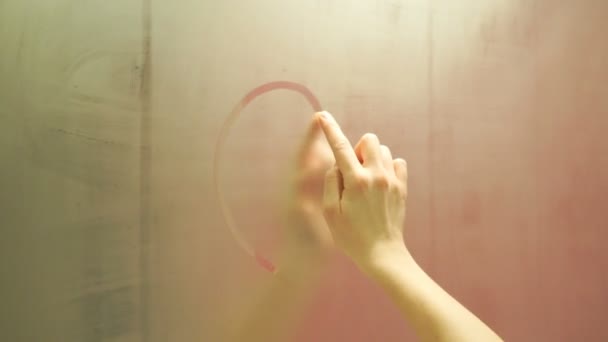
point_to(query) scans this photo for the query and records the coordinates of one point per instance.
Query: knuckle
(341, 145)
(400, 189)
(361, 180)
(369, 137)
(401, 165)
(381, 181)
(401, 162)
(386, 152)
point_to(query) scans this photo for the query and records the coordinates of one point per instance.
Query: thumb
(331, 193)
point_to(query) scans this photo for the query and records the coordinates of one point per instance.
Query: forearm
(272, 316)
(433, 313)
(278, 308)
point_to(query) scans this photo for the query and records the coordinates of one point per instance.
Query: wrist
(387, 259)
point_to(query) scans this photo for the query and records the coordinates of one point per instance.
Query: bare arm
(277, 310)
(364, 200)
(433, 313)
(282, 302)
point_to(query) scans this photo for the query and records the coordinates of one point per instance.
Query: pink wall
(500, 109)
(109, 112)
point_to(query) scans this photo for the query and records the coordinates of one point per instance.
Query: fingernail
(321, 115)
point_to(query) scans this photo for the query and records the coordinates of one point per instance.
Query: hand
(306, 233)
(306, 242)
(364, 205)
(364, 197)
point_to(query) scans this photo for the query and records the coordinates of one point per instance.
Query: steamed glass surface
(109, 112)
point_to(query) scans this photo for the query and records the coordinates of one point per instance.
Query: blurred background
(109, 112)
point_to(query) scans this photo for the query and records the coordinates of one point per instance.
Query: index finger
(312, 133)
(343, 151)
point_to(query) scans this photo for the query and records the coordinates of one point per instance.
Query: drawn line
(230, 120)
